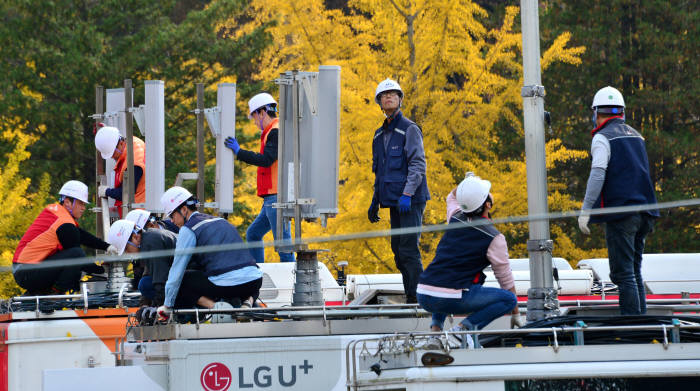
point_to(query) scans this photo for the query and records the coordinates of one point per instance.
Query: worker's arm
(416, 159)
(600, 153)
(92, 241)
(116, 192)
(497, 254)
(265, 159)
(186, 239)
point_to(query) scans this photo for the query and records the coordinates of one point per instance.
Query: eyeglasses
(386, 94)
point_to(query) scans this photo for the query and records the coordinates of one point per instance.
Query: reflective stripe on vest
(40, 241)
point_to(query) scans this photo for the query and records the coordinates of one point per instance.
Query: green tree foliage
(648, 50)
(52, 54)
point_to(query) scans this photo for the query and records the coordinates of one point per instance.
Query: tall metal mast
(541, 297)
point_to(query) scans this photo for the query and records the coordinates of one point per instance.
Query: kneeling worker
(452, 283)
(220, 275)
(55, 235)
(128, 237)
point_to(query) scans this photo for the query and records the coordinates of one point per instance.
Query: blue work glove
(373, 212)
(405, 203)
(232, 143)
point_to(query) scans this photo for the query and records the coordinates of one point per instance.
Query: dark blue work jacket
(390, 165)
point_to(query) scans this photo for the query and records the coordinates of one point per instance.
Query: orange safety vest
(40, 241)
(120, 167)
(267, 176)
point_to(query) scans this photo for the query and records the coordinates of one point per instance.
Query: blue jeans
(405, 247)
(483, 304)
(266, 221)
(625, 240)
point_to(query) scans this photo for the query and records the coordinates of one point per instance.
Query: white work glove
(516, 321)
(163, 313)
(583, 222)
(102, 191)
(111, 250)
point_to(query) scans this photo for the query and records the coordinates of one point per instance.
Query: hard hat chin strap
(72, 205)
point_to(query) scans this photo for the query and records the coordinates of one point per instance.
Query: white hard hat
(75, 189)
(472, 192)
(139, 217)
(120, 233)
(387, 85)
(174, 197)
(260, 100)
(106, 141)
(608, 96)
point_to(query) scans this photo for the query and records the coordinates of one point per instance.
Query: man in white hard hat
(130, 238)
(55, 235)
(400, 184)
(620, 177)
(145, 219)
(262, 109)
(222, 275)
(113, 146)
(453, 282)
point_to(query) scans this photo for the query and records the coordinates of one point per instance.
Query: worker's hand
(102, 191)
(516, 321)
(373, 212)
(111, 250)
(232, 143)
(163, 313)
(405, 203)
(583, 222)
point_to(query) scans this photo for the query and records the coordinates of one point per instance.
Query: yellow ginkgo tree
(460, 80)
(18, 205)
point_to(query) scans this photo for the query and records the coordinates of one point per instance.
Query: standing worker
(398, 163)
(55, 235)
(453, 282)
(112, 145)
(620, 177)
(228, 275)
(262, 109)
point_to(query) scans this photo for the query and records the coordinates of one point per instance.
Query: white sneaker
(247, 303)
(457, 340)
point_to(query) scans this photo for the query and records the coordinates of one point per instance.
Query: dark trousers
(405, 247)
(195, 285)
(625, 240)
(39, 278)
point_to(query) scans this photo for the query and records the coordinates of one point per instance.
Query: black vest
(210, 231)
(627, 179)
(460, 256)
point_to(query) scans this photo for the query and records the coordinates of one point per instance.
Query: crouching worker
(149, 271)
(452, 283)
(129, 238)
(55, 235)
(222, 275)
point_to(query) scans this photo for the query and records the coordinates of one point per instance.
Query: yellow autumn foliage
(459, 80)
(18, 206)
